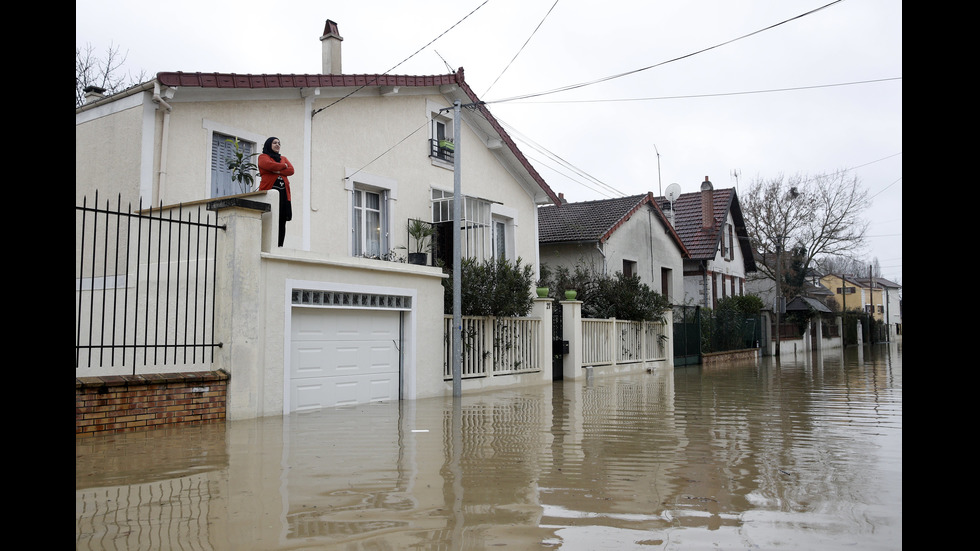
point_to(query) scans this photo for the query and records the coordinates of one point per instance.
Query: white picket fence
(611, 341)
(500, 346)
(494, 346)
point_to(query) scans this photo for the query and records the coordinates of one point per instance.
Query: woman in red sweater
(274, 172)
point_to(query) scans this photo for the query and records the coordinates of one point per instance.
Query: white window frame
(504, 218)
(438, 118)
(479, 222)
(360, 183)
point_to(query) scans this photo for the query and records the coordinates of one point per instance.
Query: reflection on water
(805, 454)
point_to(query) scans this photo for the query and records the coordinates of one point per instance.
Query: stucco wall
(108, 149)
(642, 239)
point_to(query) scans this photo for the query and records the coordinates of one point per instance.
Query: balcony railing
(441, 152)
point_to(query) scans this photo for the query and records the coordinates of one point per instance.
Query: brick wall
(140, 402)
(714, 358)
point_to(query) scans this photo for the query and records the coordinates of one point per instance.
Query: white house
(627, 234)
(370, 153)
(711, 226)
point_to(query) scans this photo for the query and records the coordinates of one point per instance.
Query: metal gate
(687, 335)
(559, 346)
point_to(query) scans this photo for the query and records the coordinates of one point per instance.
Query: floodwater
(803, 454)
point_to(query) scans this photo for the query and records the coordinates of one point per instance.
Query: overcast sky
(736, 90)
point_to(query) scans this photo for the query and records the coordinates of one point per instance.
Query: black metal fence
(699, 331)
(144, 286)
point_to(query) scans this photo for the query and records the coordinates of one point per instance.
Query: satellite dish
(673, 192)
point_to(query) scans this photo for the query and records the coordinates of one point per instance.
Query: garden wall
(128, 403)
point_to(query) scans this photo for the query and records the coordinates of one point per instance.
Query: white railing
(494, 346)
(612, 341)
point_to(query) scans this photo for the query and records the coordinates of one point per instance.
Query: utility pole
(871, 323)
(457, 259)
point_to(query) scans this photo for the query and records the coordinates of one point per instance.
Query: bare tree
(849, 266)
(804, 218)
(104, 73)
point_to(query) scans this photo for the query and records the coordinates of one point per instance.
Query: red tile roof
(703, 242)
(234, 80)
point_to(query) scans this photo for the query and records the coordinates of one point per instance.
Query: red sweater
(270, 170)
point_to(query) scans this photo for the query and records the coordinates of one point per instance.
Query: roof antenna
(448, 66)
(736, 173)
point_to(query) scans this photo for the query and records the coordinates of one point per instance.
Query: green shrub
(618, 296)
(492, 288)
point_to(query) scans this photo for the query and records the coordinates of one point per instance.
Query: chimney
(707, 204)
(561, 199)
(93, 93)
(331, 40)
(668, 210)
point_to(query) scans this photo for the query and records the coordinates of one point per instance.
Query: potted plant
(447, 143)
(242, 167)
(422, 233)
(542, 282)
(571, 294)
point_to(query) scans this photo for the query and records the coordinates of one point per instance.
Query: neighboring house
(371, 153)
(764, 287)
(628, 234)
(711, 227)
(851, 293)
(878, 296)
(892, 300)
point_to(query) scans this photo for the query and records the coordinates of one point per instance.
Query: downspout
(598, 247)
(704, 281)
(164, 139)
(309, 97)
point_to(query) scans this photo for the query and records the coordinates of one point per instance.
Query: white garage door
(343, 357)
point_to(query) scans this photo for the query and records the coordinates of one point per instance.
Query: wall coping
(151, 378)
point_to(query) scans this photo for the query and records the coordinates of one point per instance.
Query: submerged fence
(144, 286)
(494, 346)
(612, 341)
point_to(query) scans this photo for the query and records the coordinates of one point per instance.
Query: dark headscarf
(267, 149)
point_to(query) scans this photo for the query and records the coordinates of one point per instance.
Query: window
(369, 223)
(500, 240)
(629, 268)
(441, 146)
(370, 204)
(731, 242)
(476, 229)
(221, 152)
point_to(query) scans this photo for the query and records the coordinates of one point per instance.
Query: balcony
(441, 149)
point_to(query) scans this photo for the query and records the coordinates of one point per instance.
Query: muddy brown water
(803, 454)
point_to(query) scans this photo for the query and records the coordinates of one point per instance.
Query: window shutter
(221, 152)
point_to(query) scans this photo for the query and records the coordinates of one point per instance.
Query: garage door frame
(327, 295)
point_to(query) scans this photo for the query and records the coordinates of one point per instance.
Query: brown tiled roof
(594, 221)
(701, 242)
(278, 80)
(235, 80)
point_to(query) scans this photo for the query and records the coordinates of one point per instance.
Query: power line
(375, 78)
(720, 94)
(609, 189)
(620, 75)
(522, 47)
